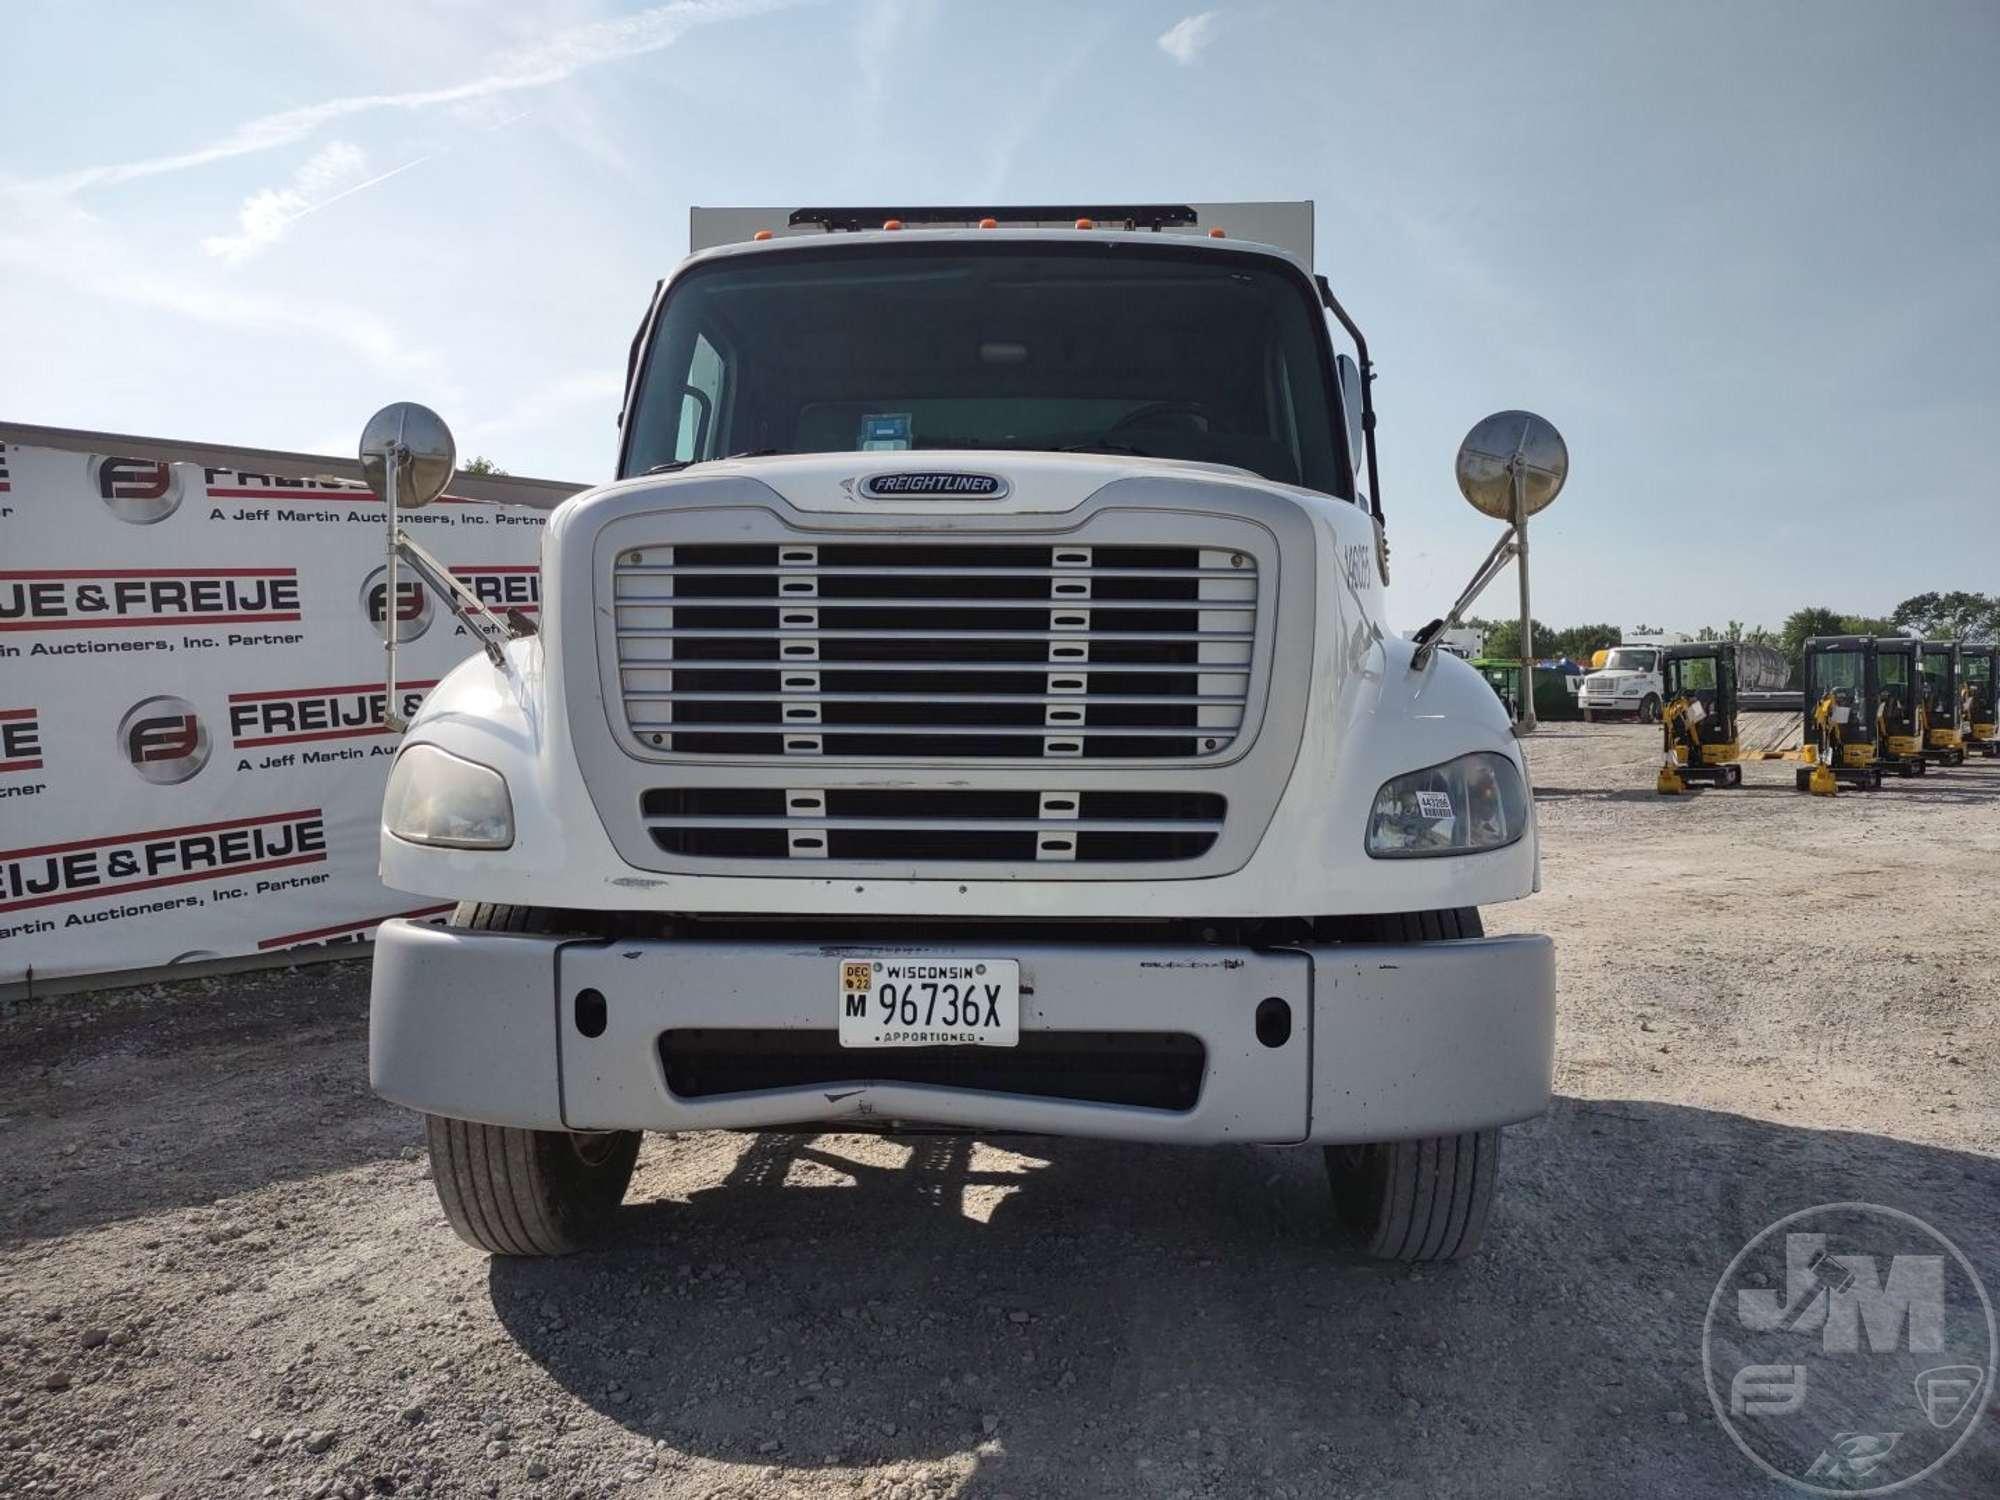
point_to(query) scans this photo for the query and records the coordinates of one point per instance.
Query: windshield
(1631, 661)
(1837, 672)
(1106, 347)
(1694, 674)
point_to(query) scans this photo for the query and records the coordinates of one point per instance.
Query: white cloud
(333, 172)
(1184, 40)
(43, 234)
(548, 60)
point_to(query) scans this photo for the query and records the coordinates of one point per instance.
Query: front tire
(1424, 1200)
(1649, 710)
(511, 1191)
(1427, 1199)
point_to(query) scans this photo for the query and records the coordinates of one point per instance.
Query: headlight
(436, 798)
(1475, 802)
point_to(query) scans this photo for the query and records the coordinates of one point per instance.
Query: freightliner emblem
(921, 485)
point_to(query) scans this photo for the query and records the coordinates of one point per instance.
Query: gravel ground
(223, 1272)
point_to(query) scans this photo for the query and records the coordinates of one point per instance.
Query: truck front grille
(924, 824)
(1149, 1069)
(963, 650)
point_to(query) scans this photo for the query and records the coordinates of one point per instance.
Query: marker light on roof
(1086, 223)
(762, 234)
(892, 223)
(989, 223)
(1217, 234)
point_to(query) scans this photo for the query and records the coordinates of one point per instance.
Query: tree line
(1957, 615)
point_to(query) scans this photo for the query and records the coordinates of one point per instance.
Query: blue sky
(1743, 254)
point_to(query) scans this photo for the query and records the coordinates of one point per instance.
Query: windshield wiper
(674, 466)
(1106, 447)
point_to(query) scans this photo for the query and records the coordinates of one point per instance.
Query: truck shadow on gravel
(1070, 1317)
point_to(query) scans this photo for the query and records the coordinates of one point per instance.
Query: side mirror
(412, 444)
(1506, 450)
(1349, 375)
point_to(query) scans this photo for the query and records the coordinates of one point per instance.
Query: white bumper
(1384, 1042)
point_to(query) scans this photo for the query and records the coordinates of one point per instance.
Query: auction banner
(193, 742)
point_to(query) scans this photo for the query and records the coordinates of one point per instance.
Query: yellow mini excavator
(1841, 728)
(1698, 716)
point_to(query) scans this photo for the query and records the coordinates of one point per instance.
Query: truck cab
(1628, 685)
(971, 708)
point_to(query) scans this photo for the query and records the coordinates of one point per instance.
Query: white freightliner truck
(971, 709)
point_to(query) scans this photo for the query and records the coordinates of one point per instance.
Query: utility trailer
(971, 708)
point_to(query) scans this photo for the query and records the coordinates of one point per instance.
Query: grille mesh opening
(941, 825)
(1149, 1069)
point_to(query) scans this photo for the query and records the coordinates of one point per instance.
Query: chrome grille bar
(1128, 651)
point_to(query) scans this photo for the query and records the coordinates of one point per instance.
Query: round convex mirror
(414, 438)
(1507, 445)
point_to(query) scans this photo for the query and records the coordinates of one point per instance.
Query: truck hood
(1028, 482)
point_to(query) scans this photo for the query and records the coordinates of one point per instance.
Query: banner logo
(164, 739)
(20, 740)
(504, 586)
(353, 932)
(117, 864)
(129, 598)
(139, 490)
(290, 716)
(413, 604)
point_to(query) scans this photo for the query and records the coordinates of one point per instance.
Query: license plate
(930, 1002)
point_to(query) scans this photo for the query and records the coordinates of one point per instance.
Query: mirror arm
(472, 611)
(1333, 306)
(1428, 638)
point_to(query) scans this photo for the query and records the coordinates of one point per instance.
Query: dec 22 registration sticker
(930, 1002)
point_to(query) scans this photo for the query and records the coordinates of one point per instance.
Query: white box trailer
(970, 708)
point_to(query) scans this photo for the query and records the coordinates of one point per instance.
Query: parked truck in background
(1629, 684)
(970, 709)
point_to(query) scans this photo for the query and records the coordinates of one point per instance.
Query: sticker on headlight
(1434, 805)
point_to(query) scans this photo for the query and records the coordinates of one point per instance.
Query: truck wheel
(1420, 1200)
(1649, 710)
(510, 1191)
(1590, 716)
(1417, 1200)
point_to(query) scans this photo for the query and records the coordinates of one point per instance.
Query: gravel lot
(223, 1272)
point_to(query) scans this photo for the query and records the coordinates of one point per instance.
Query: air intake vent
(918, 825)
(943, 651)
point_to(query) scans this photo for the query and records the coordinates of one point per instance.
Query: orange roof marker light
(1086, 223)
(989, 223)
(762, 234)
(1217, 234)
(892, 223)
